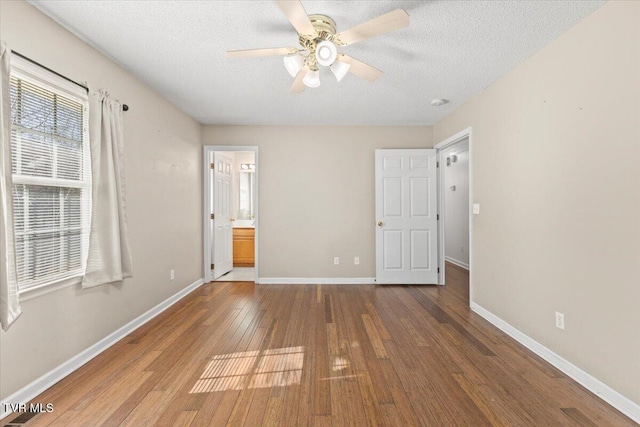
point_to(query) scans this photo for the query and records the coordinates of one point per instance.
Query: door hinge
(213, 216)
(437, 217)
(213, 266)
(438, 269)
(437, 164)
(213, 165)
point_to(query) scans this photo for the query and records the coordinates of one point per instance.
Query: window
(51, 175)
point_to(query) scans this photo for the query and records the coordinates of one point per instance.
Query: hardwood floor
(294, 355)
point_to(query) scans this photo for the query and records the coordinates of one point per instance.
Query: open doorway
(231, 213)
(456, 203)
(455, 197)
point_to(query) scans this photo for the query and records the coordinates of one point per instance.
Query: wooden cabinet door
(243, 247)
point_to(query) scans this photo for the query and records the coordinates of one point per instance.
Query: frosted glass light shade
(326, 53)
(312, 79)
(339, 69)
(293, 64)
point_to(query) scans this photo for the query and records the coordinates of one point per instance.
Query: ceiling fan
(320, 42)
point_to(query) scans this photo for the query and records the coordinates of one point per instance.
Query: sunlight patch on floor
(279, 367)
(340, 364)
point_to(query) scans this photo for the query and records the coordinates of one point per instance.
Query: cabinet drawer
(243, 233)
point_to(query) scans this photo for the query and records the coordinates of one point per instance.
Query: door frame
(463, 134)
(207, 197)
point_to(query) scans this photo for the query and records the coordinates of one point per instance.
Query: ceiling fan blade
(382, 24)
(298, 85)
(250, 53)
(360, 69)
(295, 13)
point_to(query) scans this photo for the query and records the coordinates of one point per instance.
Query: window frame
(34, 74)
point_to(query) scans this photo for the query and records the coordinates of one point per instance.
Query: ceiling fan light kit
(339, 69)
(320, 42)
(293, 64)
(312, 78)
(326, 53)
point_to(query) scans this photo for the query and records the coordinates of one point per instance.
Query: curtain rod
(125, 107)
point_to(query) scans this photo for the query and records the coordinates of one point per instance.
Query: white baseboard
(456, 262)
(30, 391)
(594, 385)
(316, 281)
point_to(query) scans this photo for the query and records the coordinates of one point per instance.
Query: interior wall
(456, 204)
(164, 202)
(316, 193)
(556, 170)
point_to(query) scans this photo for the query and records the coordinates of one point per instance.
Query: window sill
(47, 288)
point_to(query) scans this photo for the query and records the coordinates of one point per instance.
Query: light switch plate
(476, 208)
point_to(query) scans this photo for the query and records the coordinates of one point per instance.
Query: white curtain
(109, 258)
(9, 302)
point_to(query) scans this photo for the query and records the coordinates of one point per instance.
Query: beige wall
(316, 194)
(556, 169)
(164, 208)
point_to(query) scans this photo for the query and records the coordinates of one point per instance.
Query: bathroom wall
(239, 158)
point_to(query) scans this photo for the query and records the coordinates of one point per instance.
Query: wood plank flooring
(240, 354)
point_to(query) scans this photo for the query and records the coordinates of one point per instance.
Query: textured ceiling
(451, 49)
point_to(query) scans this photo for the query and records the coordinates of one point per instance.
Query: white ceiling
(451, 49)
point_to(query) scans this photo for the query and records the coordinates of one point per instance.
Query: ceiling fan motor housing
(323, 23)
(325, 31)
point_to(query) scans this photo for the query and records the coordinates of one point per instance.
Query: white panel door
(406, 216)
(222, 251)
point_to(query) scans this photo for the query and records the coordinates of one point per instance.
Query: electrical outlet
(356, 260)
(559, 320)
(172, 274)
(336, 261)
(461, 249)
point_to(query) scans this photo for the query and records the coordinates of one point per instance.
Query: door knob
(380, 224)
(232, 219)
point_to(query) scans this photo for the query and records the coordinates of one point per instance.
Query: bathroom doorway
(231, 213)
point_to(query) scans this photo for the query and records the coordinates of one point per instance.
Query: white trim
(49, 182)
(468, 134)
(453, 139)
(456, 262)
(594, 385)
(33, 73)
(206, 197)
(207, 191)
(317, 280)
(30, 391)
(47, 288)
(440, 195)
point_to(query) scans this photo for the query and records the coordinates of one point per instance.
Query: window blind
(51, 169)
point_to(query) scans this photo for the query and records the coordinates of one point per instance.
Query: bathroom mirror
(245, 206)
